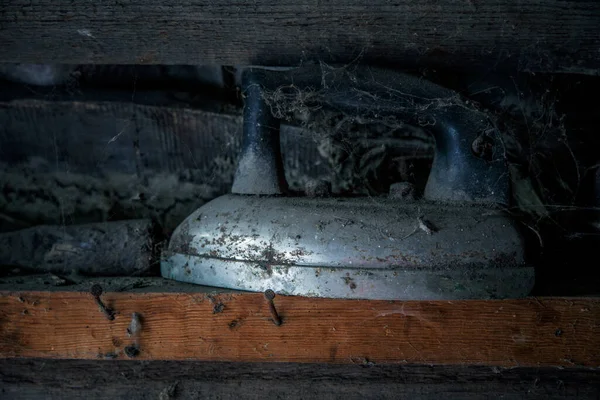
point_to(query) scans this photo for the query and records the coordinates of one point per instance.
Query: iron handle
(468, 165)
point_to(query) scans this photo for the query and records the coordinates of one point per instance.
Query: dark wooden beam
(529, 35)
(238, 327)
(136, 380)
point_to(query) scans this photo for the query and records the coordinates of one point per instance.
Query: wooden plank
(120, 284)
(531, 35)
(132, 150)
(136, 380)
(144, 161)
(238, 327)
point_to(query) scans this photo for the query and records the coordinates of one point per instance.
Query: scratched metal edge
(361, 358)
(226, 292)
(230, 293)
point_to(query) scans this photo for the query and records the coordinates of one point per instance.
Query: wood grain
(237, 327)
(35, 379)
(531, 35)
(177, 158)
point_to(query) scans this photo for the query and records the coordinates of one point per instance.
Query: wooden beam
(238, 327)
(531, 35)
(140, 380)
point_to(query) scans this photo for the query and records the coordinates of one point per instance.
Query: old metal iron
(454, 244)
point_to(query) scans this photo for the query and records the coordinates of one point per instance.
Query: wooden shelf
(237, 327)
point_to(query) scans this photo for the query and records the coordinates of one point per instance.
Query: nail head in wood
(96, 290)
(269, 294)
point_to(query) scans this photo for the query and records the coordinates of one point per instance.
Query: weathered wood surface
(238, 327)
(535, 35)
(104, 249)
(136, 380)
(83, 160)
(88, 161)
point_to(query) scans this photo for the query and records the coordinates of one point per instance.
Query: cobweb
(364, 154)
(547, 164)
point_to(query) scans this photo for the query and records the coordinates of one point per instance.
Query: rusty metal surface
(350, 248)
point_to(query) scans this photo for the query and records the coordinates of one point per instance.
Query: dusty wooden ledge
(238, 327)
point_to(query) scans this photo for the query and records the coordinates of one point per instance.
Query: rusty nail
(270, 295)
(96, 291)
